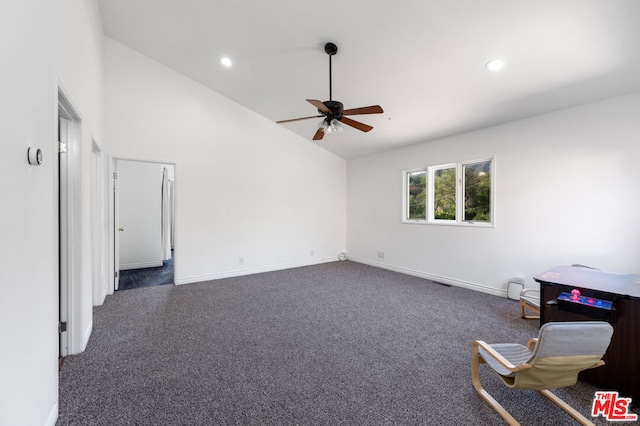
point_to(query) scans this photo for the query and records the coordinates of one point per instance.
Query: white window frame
(405, 194)
(459, 167)
(490, 222)
(431, 193)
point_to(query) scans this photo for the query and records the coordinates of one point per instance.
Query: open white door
(116, 228)
(75, 315)
(63, 235)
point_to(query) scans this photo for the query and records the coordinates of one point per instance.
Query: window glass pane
(417, 195)
(444, 194)
(477, 192)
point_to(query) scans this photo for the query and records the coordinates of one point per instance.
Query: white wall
(567, 192)
(140, 214)
(78, 55)
(245, 187)
(28, 272)
(34, 44)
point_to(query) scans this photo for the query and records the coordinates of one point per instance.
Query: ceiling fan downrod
(331, 49)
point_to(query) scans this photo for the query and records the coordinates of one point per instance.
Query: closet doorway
(144, 225)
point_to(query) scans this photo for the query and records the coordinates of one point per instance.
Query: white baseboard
(152, 264)
(432, 277)
(251, 271)
(400, 269)
(52, 418)
(102, 297)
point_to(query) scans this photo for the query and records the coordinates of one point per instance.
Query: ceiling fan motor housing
(335, 110)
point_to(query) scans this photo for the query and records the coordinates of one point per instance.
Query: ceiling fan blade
(373, 109)
(319, 134)
(298, 119)
(356, 124)
(318, 104)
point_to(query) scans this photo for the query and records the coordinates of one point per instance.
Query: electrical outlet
(241, 260)
(381, 254)
(311, 252)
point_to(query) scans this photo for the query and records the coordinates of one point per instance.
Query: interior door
(116, 228)
(63, 237)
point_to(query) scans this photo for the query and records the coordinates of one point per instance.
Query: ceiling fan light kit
(333, 112)
(330, 127)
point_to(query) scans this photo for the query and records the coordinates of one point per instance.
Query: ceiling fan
(333, 111)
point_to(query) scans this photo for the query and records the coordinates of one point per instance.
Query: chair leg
(567, 408)
(475, 380)
(532, 308)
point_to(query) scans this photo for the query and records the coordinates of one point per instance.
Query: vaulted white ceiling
(421, 60)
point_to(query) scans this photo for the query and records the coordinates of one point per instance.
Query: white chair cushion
(514, 353)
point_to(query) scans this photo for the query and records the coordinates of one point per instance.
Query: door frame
(98, 228)
(113, 216)
(70, 233)
(115, 211)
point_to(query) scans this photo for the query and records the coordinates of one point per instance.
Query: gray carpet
(333, 344)
(147, 277)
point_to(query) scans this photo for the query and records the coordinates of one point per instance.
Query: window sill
(444, 223)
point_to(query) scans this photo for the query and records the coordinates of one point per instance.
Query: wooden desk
(622, 369)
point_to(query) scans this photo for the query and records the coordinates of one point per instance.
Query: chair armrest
(530, 296)
(524, 292)
(495, 355)
(531, 343)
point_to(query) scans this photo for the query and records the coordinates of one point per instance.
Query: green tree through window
(460, 193)
(477, 192)
(444, 194)
(417, 191)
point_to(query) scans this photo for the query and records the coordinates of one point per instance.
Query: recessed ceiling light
(226, 61)
(495, 65)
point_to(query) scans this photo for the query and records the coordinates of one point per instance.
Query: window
(417, 195)
(457, 193)
(477, 191)
(444, 193)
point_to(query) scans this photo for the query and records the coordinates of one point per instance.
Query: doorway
(69, 228)
(144, 217)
